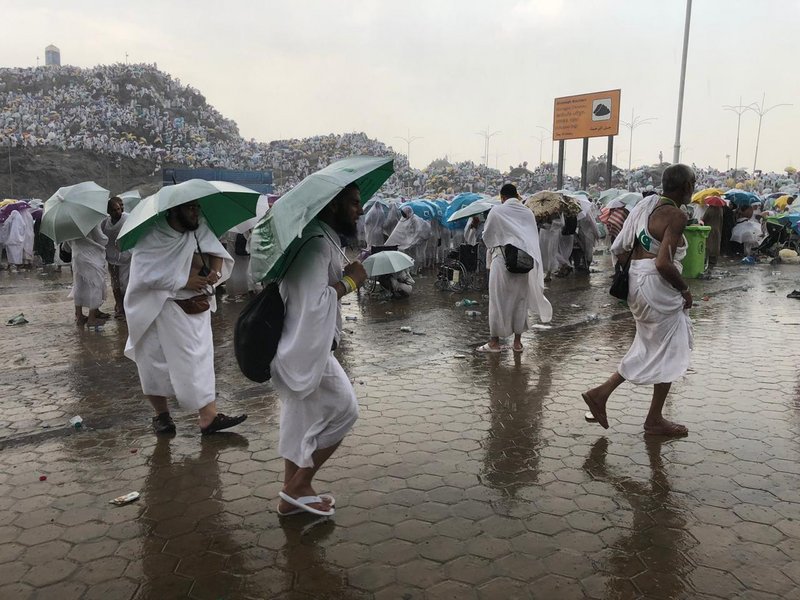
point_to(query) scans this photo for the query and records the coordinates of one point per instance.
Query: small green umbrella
(224, 205)
(285, 221)
(73, 211)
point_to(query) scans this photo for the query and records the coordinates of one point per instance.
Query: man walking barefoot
(658, 298)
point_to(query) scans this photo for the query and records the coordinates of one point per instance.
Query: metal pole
(630, 144)
(677, 150)
(609, 154)
(738, 128)
(560, 172)
(10, 172)
(585, 164)
(761, 112)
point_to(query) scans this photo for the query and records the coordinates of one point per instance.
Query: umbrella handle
(338, 247)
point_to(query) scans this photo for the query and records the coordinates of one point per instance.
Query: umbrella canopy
(741, 198)
(699, 197)
(130, 199)
(714, 201)
(476, 208)
(627, 200)
(5, 211)
(544, 204)
(609, 194)
(224, 205)
(262, 206)
(387, 262)
(73, 211)
(284, 223)
(459, 202)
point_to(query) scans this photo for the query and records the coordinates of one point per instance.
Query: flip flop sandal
(487, 349)
(297, 511)
(601, 418)
(222, 421)
(304, 503)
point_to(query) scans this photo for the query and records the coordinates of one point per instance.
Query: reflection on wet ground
(467, 476)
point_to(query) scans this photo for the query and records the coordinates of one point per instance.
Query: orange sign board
(586, 115)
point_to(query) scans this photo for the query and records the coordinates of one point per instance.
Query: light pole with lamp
(632, 125)
(408, 140)
(761, 111)
(487, 135)
(739, 109)
(552, 143)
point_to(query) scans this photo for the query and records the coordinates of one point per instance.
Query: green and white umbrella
(130, 200)
(224, 205)
(284, 223)
(387, 262)
(73, 211)
(476, 208)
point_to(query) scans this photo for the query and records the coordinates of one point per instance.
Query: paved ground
(471, 477)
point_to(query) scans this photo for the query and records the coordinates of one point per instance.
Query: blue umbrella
(741, 198)
(441, 210)
(422, 209)
(458, 203)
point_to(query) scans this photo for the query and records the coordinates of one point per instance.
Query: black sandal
(221, 422)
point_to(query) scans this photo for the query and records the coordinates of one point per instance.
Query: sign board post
(582, 117)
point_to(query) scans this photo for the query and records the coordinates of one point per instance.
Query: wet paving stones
(465, 477)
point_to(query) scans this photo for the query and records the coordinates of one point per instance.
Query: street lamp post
(728, 158)
(761, 111)
(552, 143)
(10, 172)
(676, 153)
(632, 125)
(541, 138)
(739, 109)
(408, 140)
(487, 135)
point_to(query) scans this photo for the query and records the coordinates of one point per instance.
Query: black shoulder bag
(516, 259)
(259, 327)
(619, 285)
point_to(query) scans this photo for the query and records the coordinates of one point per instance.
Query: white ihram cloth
(89, 269)
(115, 256)
(411, 236)
(513, 295)
(15, 236)
(174, 351)
(318, 403)
(549, 238)
(587, 232)
(661, 350)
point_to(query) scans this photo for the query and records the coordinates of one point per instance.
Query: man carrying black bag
(318, 403)
(516, 277)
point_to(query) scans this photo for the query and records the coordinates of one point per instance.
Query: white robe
(89, 269)
(411, 235)
(174, 351)
(513, 295)
(661, 349)
(318, 403)
(14, 237)
(549, 239)
(587, 232)
(115, 256)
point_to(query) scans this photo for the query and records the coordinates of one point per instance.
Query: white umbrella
(262, 206)
(476, 208)
(628, 200)
(386, 262)
(73, 211)
(130, 199)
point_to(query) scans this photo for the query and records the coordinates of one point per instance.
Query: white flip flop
(487, 349)
(303, 503)
(297, 511)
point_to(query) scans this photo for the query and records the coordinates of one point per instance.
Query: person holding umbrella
(176, 261)
(318, 402)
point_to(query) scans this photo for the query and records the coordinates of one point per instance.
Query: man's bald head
(678, 182)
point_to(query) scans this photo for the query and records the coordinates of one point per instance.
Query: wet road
(465, 477)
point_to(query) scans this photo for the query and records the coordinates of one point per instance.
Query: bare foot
(666, 428)
(597, 406)
(517, 347)
(81, 321)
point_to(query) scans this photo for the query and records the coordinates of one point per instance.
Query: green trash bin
(696, 260)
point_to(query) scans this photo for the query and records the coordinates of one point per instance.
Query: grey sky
(448, 69)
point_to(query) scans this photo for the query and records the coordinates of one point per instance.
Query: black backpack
(64, 253)
(259, 327)
(517, 260)
(240, 245)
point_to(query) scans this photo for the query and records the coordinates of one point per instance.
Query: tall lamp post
(552, 143)
(739, 109)
(408, 140)
(487, 135)
(541, 137)
(632, 125)
(761, 111)
(676, 153)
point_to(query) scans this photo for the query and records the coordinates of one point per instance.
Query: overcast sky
(444, 70)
